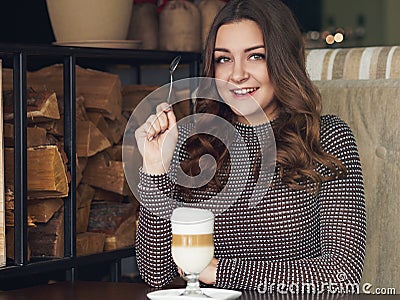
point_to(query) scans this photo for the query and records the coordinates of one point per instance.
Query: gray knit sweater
(290, 238)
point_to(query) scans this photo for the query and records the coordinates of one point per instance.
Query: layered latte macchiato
(192, 239)
(193, 252)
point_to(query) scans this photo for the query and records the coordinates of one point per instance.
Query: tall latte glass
(192, 244)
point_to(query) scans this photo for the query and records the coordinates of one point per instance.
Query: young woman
(309, 229)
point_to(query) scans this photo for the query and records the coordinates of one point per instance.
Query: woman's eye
(257, 56)
(222, 59)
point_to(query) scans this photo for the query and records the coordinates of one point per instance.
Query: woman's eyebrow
(221, 50)
(254, 48)
(245, 50)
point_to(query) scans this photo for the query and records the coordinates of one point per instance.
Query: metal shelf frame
(23, 58)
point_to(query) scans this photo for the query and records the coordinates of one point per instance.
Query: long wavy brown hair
(297, 128)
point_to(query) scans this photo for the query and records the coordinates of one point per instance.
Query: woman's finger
(171, 118)
(152, 127)
(162, 116)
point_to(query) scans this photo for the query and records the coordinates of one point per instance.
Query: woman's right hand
(157, 139)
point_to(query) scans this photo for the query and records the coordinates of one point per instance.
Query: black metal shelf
(23, 58)
(49, 264)
(94, 55)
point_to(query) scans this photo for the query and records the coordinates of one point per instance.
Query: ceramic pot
(80, 20)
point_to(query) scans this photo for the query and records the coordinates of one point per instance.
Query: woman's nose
(239, 73)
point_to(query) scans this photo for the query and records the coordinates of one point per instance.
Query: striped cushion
(354, 63)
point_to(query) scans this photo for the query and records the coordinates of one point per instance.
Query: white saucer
(173, 294)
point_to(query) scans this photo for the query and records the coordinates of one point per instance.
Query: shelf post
(20, 161)
(70, 150)
(115, 270)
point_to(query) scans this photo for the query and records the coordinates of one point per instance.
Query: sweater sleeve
(342, 229)
(158, 198)
(153, 238)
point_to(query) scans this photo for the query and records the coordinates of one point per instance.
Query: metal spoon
(172, 68)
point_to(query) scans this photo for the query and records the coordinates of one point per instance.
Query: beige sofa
(362, 86)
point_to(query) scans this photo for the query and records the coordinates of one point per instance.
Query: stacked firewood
(106, 212)
(47, 173)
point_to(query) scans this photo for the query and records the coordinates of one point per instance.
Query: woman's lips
(244, 91)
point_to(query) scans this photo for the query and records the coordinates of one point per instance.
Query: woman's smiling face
(240, 60)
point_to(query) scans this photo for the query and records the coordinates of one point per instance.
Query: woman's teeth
(244, 91)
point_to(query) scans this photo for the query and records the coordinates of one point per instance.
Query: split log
(36, 136)
(101, 90)
(115, 152)
(117, 128)
(42, 106)
(81, 113)
(82, 162)
(82, 219)
(48, 239)
(86, 194)
(133, 94)
(107, 174)
(78, 172)
(89, 243)
(9, 210)
(79, 175)
(9, 200)
(47, 176)
(103, 195)
(7, 78)
(57, 127)
(48, 126)
(9, 232)
(107, 217)
(99, 121)
(123, 237)
(52, 140)
(10, 244)
(41, 211)
(136, 205)
(141, 105)
(146, 98)
(9, 217)
(89, 139)
(84, 198)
